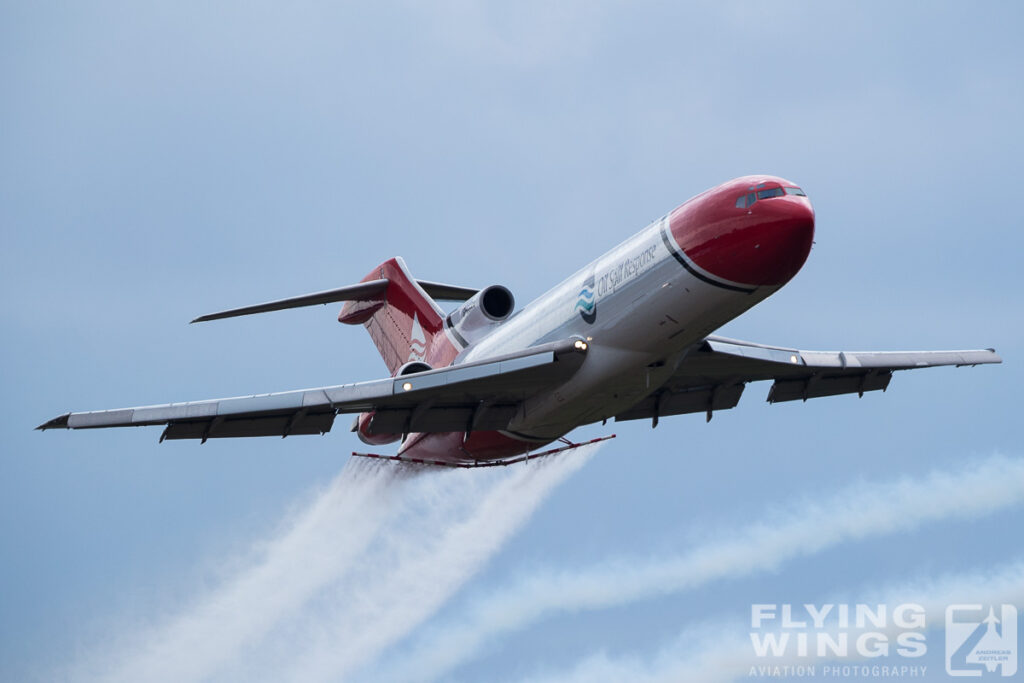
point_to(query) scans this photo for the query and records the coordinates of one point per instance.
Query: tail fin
(403, 321)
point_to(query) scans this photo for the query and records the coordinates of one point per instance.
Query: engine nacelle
(362, 429)
(413, 366)
(475, 319)
(362, 424)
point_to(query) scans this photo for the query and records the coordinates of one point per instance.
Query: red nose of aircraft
(774, 244)
(754, 231)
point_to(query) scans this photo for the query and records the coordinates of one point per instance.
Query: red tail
(404, 322)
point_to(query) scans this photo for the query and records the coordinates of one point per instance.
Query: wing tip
(991, 358)
(59, 422)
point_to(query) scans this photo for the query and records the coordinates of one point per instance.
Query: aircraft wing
(712, 377)
(482, 395)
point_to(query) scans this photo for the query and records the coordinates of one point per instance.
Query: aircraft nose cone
(777, 242)
(764, 245)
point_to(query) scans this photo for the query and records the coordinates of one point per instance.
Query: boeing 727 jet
(627, 337)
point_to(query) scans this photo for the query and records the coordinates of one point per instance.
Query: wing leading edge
(474, 396)
(713, 376)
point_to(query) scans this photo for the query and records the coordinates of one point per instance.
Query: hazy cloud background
(162, 161)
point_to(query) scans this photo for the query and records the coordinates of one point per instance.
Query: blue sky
(162, 161)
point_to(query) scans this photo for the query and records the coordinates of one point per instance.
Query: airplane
(627, 337)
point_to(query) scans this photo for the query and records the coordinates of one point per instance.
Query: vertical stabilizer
(405, 324)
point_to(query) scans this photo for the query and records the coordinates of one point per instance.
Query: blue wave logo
(587, 302)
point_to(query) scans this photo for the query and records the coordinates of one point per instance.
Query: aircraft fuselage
(641, 306)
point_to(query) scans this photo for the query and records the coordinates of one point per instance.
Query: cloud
(853, 513)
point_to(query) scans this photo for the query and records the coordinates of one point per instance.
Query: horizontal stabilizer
(441, 292)
(357, 292)
(363, 290)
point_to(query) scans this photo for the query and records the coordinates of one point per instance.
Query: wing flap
(696, 400)
(268, 425)
(819, 386)
(449, 419)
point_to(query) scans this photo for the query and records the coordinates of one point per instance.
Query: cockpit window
(746, 200)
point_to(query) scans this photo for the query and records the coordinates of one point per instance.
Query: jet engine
(362, 423)
(470, 322)
(361, 427)
(481, 314)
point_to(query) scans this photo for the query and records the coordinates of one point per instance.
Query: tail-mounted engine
(481, 314)
(469, 323)
(363, 425)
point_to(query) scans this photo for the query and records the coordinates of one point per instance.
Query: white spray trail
(460, 520)
(853, 513)
(723, 652)
(312, 548)
(370, 558)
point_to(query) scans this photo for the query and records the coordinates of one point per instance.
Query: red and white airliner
(628, 336)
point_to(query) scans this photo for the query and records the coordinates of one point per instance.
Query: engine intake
(413, 366)
(481, 314)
